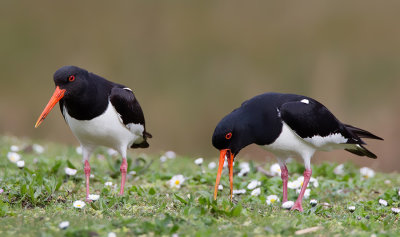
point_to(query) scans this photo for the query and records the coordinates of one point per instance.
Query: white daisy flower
(91, 176)
(294, 184)
(14, 148)
(37, 148)
(199, 161)
(271, 199)
(275, 169)
(220, 187)
(20, 164)
(256, 192)
(79, 204)
(287, 205)
(383, 202)
(1, 190)
(212, 165)
(132, 172)
(176, 181)
(170, 154)
(64, 225)
(351, 208)
(112, 152)
(312, 181)
(244, 168)
(78, 150)
(13, 157)
(108, 183)
(306, 193)
(163, 159)
(367, 172)
(396, 210)
(387, 181)
(111, 234)
(70, 172)
(239, 191)
(94, 197)
(253, 184)
(313, 202)
(339, 170)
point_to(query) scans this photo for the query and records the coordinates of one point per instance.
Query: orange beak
(57, 95)
(224, 153)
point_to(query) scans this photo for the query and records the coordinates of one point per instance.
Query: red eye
(71, 78)
(228, 135)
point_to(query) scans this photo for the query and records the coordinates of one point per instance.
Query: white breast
(289, 143)
(105, 130)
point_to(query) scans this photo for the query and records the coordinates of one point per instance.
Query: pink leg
(297, 204)
(285, 178)
(87, 174)
(123, 168)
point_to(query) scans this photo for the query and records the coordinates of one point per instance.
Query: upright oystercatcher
(286, 125)
(99, 113)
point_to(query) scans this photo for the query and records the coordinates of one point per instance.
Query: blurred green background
(190, 63)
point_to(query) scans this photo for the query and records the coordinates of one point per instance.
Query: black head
(72, 79)
(232, 133)
(70, 82)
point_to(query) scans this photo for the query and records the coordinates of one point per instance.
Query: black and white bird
(99, 113)
(287, 125)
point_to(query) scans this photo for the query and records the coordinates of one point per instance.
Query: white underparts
(106, 129)
(289, 144)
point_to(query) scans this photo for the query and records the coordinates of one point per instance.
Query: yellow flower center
(177, 182)
(273, 200)
(279, 169)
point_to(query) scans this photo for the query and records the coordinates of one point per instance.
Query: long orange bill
(222, 155)
(230, 166)
(57, 95)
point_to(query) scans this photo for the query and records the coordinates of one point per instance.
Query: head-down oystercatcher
(99, 113)
(286, 125)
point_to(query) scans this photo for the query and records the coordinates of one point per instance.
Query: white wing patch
(319, 141)
(128, 89)
(305, 101)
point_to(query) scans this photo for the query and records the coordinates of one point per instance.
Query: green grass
(40, 196)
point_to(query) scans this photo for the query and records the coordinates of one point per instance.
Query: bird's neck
(87, 105)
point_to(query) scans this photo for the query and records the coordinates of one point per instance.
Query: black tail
(362, 133)
(360, 150)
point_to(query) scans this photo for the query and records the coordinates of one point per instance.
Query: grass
(40, 196)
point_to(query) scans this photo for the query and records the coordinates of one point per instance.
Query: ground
(37, 198)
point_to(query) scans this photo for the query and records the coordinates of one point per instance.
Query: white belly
(290, 144)
(105, 130)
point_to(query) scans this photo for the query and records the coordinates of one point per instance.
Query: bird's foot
(297, 206)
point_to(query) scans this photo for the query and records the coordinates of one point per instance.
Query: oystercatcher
(99, 113)
(286, 125)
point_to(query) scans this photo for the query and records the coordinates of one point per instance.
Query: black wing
(126, 104)
(310, 118)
